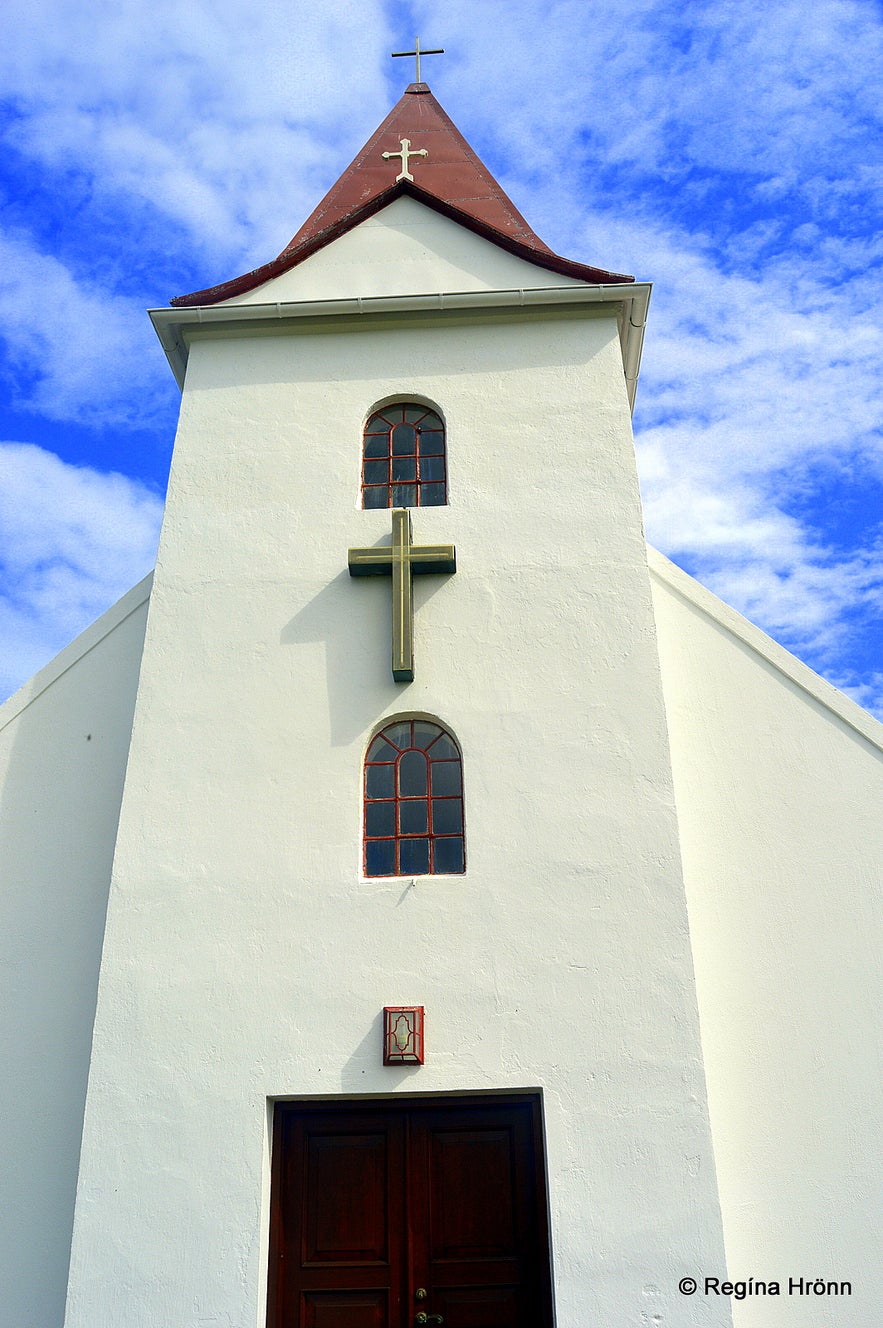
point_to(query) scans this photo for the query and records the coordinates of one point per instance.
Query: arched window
(403, 458)
(413, 802)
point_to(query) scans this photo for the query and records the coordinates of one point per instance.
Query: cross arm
(423, 558)
(370, 562)
(433, 558)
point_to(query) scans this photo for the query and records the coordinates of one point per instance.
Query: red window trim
(392, 416)
(398, 800)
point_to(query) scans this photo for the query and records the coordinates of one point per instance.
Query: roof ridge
(71, 654)
(779, 657)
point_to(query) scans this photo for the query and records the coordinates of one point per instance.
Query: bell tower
(399, 741)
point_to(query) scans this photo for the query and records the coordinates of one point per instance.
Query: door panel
(344, 1309)
(355, 1166)
(480, 1308)
(471, 1185)
(375, 1201)
(477, 1236)
(336, 1254)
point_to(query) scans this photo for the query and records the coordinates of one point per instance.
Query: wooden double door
(417, 1211)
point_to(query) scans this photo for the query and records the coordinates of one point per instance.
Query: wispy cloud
(220, 115)
(784, 96)
(757, 392)
(72, 540)
(74, 350)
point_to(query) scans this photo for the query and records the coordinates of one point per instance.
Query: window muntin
(414, 802)
(403, 458)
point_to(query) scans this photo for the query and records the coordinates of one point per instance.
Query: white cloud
(78, 352)
(720, 86)
(867, 692)
(219, 114)
(757, 393)
(72, 540)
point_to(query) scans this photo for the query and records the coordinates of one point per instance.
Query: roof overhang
(178, 327)
(537, 253)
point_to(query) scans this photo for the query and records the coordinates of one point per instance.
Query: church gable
(64, 740)
(407, 248)
(778, 781)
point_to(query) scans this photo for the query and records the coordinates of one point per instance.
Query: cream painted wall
(779, 784)
(247, 959)
(63, 745)
(405, 249)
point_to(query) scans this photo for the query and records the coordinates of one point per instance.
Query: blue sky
(728, 152)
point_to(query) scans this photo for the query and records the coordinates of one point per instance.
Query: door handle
(423, 1318)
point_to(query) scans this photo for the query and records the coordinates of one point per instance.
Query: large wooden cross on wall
(402, 560)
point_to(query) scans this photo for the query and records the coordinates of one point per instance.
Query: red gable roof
(445, 174)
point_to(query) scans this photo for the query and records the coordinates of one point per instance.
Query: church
(424, 903)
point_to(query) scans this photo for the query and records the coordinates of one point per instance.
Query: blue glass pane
(413, 857)
(449, 855)
(380, 818)
(432, 468)
(404, 440)
(445, 776)
(399, 733)
(431, 443)
(442, 748)
(405, 495)
(432, 495)
(414, 817)
(376, 472)
(377, 497)
(380, 781)
(376, 445)
(447, 816)
(380, 750)
(404, 468)
(412, 775)
(380, 857)
(425, 733)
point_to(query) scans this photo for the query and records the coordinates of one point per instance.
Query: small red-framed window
(414, 802)
(403, 458)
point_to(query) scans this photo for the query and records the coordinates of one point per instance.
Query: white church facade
(424, 904)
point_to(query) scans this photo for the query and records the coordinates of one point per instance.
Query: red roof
(445, 174)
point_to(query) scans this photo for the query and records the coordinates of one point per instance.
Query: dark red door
(384, 1213)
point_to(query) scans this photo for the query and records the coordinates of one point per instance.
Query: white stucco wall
(405, 249)
(63, 744)
(779, 783)
(247, 959)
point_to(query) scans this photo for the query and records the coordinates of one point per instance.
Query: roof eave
(290, 258)
(629, 301)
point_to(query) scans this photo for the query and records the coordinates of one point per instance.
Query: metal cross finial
(406, 152)
(402, 560)
(440, 50)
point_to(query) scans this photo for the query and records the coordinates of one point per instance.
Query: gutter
(175, 327)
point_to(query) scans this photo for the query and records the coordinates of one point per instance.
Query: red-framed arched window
(413, 801)
(403, 458)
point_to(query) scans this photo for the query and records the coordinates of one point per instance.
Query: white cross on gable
(406, 153)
